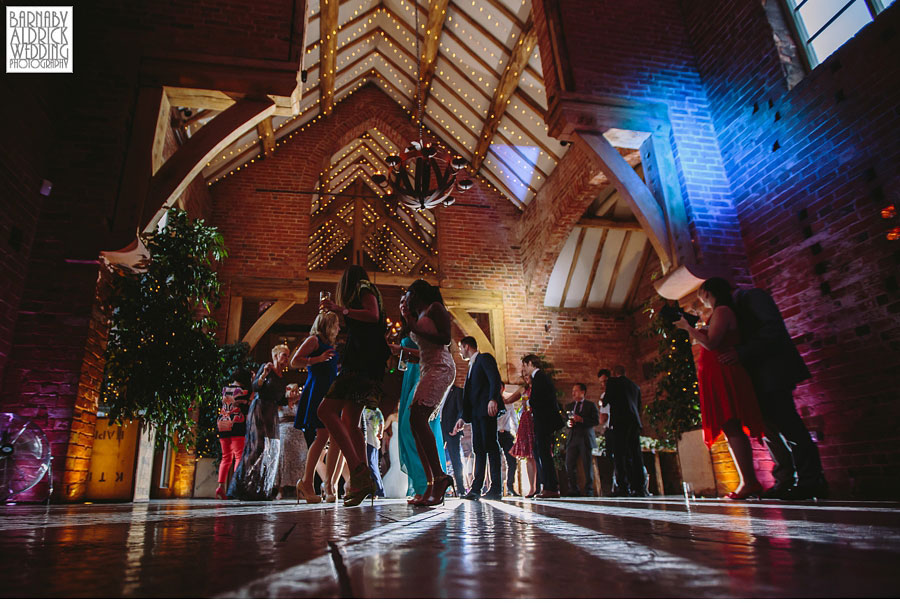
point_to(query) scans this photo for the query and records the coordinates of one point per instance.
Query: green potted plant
(162, 360)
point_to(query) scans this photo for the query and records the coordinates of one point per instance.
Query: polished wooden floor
(579, 547)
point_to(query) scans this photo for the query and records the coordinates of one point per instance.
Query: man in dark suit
(451, 412)
(547, 420)
(583, 417)
(624, 399)
(776, 367)
(482, 401)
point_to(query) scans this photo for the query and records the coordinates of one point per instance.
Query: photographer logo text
(38, 39)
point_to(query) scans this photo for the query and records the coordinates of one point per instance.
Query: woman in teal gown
(409, 456)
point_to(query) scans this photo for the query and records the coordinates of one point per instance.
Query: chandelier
(422, 176)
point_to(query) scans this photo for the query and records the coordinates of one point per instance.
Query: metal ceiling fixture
(422, 175)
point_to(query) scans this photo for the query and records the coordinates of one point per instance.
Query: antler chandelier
(422, 176)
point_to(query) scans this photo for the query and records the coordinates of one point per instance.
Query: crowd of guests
(332, 427)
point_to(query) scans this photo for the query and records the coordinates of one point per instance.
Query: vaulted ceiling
(475, 80)
(481, 87)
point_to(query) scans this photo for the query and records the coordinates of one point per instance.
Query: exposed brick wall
(809, 213)
(22, 168)
(479, 241)
(548, 220)
(644, 55)
(84, 415)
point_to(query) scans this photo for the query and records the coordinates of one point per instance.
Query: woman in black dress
(358, 384)
(256, 474)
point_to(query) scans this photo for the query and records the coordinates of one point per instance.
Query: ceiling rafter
(468, 105)
(642, 265)
(510, 16)
(508, 84)
(514, 174)
(483, 30)
(536, 140)
(437, 13)
(615, 273)
(610, 223)
(597, 255)
(328, 54)
(266, 137)
(521, 155)
(360, 150)
(578, 244)
(361, 40)
(478, 59)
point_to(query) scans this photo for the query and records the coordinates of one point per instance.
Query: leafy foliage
(676, 408)
(161, 356)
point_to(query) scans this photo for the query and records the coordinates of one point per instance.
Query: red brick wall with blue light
(810, 169)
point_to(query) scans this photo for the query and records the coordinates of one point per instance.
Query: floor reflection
(561, 548)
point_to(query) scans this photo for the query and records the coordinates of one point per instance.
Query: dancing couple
(358, 385)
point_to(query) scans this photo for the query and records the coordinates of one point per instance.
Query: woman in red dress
(727, 401)
(523, 447)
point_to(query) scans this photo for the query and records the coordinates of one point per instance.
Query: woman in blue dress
(317, 354)
(410, 463)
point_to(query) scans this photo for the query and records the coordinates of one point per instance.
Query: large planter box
(206, 478)
(696, 464)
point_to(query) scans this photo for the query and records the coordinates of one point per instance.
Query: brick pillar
(84, 416)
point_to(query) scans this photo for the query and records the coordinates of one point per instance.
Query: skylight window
(824, 25)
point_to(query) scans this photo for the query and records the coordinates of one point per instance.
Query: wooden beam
(642, 265)
(328, 30)
(639, 198)
(468, 326)
(233, 330)
(214, 82)
(124, 217)
(267, 137)
(257, 287)
(615, 273)
(437, 13)
(498, 330)
(596, 264)
(163, 123)
(188, 161)
(269, 318)
(478, 300)
(509, 81)
(610, 223)
(578, 244)
(670, 197)
(379, 278)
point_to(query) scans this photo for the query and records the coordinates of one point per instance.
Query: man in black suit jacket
(547, 420)
(482, 401)
(451, 412)
(776, 367)
(624, 399)
(583, 417)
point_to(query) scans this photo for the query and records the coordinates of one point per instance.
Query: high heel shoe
(220, 493)
(310, 497)
(414, 500)
(330, 496)
(435, 494)
(745, 492)
(361, 487)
